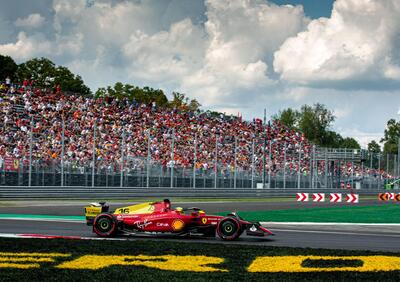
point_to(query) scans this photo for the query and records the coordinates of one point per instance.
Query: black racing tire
(105, 225)
(229, 229)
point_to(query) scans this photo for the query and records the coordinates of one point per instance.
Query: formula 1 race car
(160, 218)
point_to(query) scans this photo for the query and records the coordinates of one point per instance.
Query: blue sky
(231, 55)
(312, 8)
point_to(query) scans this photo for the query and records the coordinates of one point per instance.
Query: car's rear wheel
(228, 228)
(105, 225)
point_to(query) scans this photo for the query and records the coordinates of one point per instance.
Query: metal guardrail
(127, 192)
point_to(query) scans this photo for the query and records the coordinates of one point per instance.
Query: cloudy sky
(231, 55)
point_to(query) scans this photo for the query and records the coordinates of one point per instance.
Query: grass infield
(237, 259)
(350, 214)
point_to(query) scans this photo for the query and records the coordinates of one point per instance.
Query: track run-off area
(282, 216)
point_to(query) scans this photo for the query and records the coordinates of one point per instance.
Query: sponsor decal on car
(162, 224)
(204, 220)
(177, 225)
(143, 224)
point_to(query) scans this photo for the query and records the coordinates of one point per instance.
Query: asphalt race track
(374, 238)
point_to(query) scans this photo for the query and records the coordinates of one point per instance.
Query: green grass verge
(236, 260)
(350, 214)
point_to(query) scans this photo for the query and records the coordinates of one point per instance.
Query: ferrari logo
(204, 220)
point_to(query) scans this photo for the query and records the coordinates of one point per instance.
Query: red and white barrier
(335, 197)
(318, 197)
(302, 197)
(352, 198)
(390, 195)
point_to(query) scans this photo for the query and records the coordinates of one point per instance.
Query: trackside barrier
(51, 192)
(333, 197)
(388, 196)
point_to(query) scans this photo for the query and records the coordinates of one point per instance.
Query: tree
(391, 136)
(315, 122)
(374, 147)
(7, 67)
(144, 95)
(45, 73)
(288, 117)
(350, 143)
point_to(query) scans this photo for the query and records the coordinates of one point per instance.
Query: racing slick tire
(229, 228)
(105, 225)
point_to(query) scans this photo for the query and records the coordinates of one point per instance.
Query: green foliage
(147, 95)
(288, 117)
(46, 74)
(314, 122)
(144, 95)
(7, 67)
(391, 136)
(374, 147)
(180, 101)
(350, 143)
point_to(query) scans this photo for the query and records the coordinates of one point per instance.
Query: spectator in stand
(8, 81)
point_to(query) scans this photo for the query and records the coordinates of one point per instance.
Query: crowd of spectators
(122, 129)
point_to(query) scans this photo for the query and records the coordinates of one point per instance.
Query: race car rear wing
(93, 210)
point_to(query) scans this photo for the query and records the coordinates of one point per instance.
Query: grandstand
(45, 132)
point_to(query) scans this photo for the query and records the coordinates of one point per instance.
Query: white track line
(44, 219)
(334, 232)
(329, 223)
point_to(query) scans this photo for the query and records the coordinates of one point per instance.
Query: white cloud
(32, 21)
(359, 42)
(166, 55)
(242, 37)
(27, 47)
(363, 138)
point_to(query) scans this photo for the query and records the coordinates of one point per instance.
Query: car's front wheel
(228, 228)
(105, 225)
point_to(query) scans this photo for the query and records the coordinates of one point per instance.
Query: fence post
(30, 154)
(312, 166)
(62, 150)
(299, 169)
(94, 152)
(284, 165)
(269, 163)
(264, 128)
(194, 161)
(235, 164)
(326, 168)
(352, 168)
(387, 163)
(121, 181)
(148, 160)
(252, 164)
(172, 157)
(216, 161)
(398, 158)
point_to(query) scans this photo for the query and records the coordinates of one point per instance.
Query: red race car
(160, 218)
